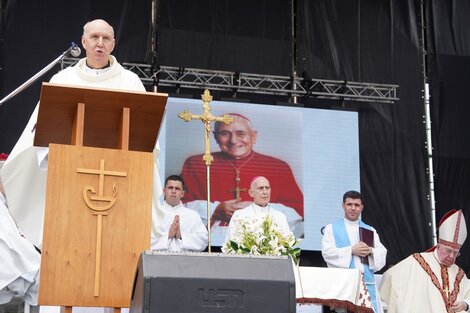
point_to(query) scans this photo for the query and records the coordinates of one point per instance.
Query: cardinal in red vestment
(232, 171)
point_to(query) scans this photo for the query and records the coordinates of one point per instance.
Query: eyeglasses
(237, 134)
(451, 252)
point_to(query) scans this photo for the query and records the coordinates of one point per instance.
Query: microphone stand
(27, 83)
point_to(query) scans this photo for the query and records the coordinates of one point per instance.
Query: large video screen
(310, 157)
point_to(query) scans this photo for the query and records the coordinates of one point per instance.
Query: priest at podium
(25, 171)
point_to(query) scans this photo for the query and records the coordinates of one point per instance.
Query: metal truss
(259, 84)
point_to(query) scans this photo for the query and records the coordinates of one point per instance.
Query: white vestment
(24, 173)
(254, 211)
(219, 230)
(193, 232)
(341, 257)
(19, 270)
(408, 288)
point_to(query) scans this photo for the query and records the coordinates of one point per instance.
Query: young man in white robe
(430, 281)
(181, 228)
(342, 247)
(25, 171)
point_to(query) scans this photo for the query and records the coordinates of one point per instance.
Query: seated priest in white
(260, 191)
(19, 270)
(181, 229)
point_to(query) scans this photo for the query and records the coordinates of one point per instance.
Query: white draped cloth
(19, 270)
(25, 171)
(341, 257)
(193, 232)
(254, 211)
(408, 288)
(334, 287)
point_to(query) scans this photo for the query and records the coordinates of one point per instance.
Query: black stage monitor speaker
(213, 282)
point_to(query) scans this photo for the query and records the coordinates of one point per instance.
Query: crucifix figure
(207, 118)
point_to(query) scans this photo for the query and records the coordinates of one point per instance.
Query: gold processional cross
(99, 210)
(206, 118)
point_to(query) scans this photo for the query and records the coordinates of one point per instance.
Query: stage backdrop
(355, 40)
(320, 146)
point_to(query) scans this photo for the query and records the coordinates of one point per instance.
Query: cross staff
(206, 118)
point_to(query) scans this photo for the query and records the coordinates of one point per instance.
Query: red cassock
(284, 188)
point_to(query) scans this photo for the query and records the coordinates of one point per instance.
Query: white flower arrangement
(261, 237)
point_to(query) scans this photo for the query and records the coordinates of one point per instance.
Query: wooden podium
(99, 192)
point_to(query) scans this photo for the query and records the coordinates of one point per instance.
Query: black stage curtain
(240, 36)
(449, 65)
(377, 41)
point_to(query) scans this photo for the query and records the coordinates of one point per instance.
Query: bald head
(260, 190)
(98, 23)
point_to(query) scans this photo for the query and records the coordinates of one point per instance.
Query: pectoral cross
(237, 189)
(446, 290)
(445, 283)
(206, 118)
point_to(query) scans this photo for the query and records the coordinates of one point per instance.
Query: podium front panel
(97, 222)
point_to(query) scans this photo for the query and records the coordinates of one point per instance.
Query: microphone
(75, 51)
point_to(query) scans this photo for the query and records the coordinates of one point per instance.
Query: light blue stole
(342, 240)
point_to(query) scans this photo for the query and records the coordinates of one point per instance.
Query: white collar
(176, 207)
(351, 223)
(95, 71)
(261, 209)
